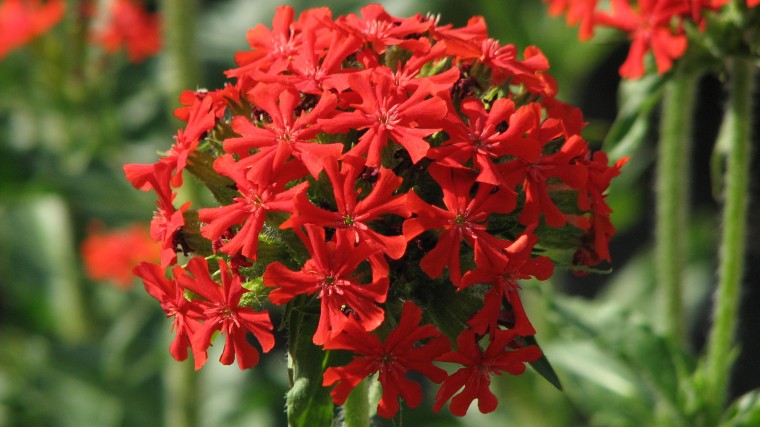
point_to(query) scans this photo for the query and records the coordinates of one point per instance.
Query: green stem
(181, 390)
(181, 68)
(672, 198)
(180, 71)
(356, 407)
(736, 128)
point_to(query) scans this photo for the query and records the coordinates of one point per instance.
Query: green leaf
(659, 369)
(542, 365)
(309, 404)
(638, 98)
(601, 385)
(744, 412)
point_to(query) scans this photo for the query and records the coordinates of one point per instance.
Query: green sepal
(201, 165)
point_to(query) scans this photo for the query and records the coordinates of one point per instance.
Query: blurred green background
(74, 352)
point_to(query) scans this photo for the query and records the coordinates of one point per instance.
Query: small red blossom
(385, 113)
(490, 135)
(261, 191)
(111, 255)
(201, 119)
(187, 315)
(474, 379)
(285, 135)
(577, 12)
(167, 222)
(534, 177)
(353, 215)
(330, 274)
(222, 312)
(501, 270)
(391, 359)
(132, 27)
(649, 28)
(463, 220)
(23, 20)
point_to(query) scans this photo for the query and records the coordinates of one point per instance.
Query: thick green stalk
(672, 198)
(181, 394)
(356, 407)
(180, 71)
(181, 68)
(736, 128)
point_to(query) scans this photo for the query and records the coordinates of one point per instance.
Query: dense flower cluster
(360, 165)
(127, 24)
(657, 26)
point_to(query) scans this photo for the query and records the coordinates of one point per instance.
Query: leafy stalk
(672, 197)
(736, 129)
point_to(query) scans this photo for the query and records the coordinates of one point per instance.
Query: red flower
(392, 359)
(649, 28)
(502, 270)
(186, 314)
(131, 26)
(474, 378)
(202, 118)
(380, 30)
(330, 275)
(261, 191)
(111, 255)
(222, 312)
(387, 113)
(352, 215)
(284, 135)
(270, 49)
(23, 20)
(577, 11)
(167, 222)
(463, 220)
(490, 135)
(535, 180)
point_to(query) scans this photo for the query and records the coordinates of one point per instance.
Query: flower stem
(181, 394)
(356, 407)
(181, 67)
(672, 197)
(736, 129)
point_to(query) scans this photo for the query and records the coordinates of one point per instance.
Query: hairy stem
(736, 129)
(672, 198)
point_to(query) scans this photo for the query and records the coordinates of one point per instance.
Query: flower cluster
(126, 24)
(657, 26)
(362, 168)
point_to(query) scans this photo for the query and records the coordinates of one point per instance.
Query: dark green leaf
(542, 365)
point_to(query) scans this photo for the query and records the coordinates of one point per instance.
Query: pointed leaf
(633, 121)
(542, 365)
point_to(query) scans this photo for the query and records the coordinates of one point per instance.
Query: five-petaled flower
(409, 347)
